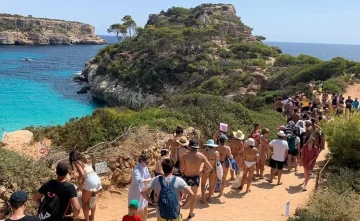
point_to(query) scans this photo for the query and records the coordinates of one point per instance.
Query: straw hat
(281, 134)
(183, 141)
(239, 135)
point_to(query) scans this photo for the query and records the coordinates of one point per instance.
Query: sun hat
(239, 135)
(250, 142)
(194, 144)
(282, 127)
(164, 151)
(211, 143)
(281, 134)
(134, 204)
(183, 141)
(19, 196)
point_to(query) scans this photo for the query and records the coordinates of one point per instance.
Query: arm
(76, 207)
(228, 152)
(207, 163)
(81, 174)
(37, 198)
(182, 164)
(146, 193)
(189, 197)
(138, 178)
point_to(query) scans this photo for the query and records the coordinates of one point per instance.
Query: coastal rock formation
(197, 50)
(115, 93)
(20, 30)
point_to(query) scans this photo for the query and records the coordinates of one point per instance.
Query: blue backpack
(168, 203)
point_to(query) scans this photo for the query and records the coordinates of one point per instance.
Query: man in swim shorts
(190, 167)
(279, 150)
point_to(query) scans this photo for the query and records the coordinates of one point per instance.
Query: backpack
(168, 202)
(49, 206)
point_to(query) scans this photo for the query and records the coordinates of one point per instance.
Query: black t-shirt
(25, 218)
(65, 191)
(348, 102)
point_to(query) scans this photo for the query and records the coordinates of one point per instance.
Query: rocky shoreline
(20, 30)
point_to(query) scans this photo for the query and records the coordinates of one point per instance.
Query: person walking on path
(279, 150)
(279, 105)
(212, 156)
(251, 157)
(132, 212)
(294, 148)
(172, 143)
(348, 104)
(140, 177)
(355, 104)
(225, 157)
(237, 149)
(309, 155)
(18, 206)
(167, 190)
(182, 145)
(90, 182)
(69, 205)
(264, 150)
(190, 167)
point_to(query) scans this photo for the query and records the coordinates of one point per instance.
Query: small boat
(27, 59)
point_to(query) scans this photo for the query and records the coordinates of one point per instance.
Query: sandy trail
(353, 91)
(266, 202)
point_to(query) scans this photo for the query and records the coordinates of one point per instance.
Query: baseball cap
(19, 196)
(62, 169)
(134, 204)
(223, 137)
(250, 142)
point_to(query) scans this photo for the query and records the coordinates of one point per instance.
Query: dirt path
(266, 202)
(353, 91)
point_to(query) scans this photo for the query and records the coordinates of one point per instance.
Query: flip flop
(279, 184)
(192, 215)
(268, 180)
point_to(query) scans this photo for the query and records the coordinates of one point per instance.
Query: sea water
(41, 92)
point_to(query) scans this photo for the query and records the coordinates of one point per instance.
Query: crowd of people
(184, 166)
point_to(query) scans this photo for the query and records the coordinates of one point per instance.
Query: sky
(308, 21)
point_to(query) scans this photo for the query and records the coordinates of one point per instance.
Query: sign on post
(101, 168)
(287, 212)
(42, 151)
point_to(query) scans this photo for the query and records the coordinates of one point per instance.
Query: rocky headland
(21, 30)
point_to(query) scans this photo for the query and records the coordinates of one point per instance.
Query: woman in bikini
(213, 156)
(225, 157)
(251, 156)
(263, 150)
(237, 149)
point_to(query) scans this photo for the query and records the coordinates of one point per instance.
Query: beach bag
(237, 183)
(234, 166)
(168, 203)
(219, 170)
(218, 186)
(49, 206)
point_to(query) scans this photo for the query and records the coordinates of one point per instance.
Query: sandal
(192, 215)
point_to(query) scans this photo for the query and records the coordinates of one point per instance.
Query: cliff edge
(20, 30)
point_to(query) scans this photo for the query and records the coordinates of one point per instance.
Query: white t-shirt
(297, 140)
(279, 148)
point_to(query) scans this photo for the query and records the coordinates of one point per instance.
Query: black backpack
(50, 205)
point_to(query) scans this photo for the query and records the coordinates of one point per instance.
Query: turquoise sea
(41, 92)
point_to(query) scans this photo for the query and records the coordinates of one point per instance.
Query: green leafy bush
(285, 60)
(307, 59)
(343, 141)
(332, 88)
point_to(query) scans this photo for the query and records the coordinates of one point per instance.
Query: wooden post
(317, 181)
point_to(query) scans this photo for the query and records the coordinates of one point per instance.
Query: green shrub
(307, 59)
(332, 88)
(285, 60)
(22, 173)
(270, 96)
(250, 101)
(213, 86)
(343, 141)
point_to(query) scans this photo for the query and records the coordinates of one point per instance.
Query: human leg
(295, 162)
(212, 183)
(223, 181)
(243, 179)
(262, 168)
(232, 173)
(289, 162)
(193, 201)
(280, 166)
(204, 179)
(250, 176)
(86, 194)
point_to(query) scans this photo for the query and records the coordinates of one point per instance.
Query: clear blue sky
(318, 21)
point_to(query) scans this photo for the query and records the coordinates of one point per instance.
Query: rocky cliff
(20, 30)
(205, 49)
